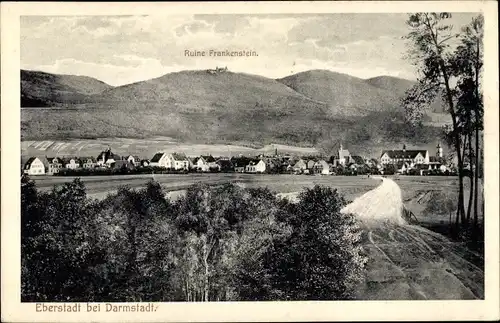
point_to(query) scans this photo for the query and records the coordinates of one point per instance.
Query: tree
(250, 261)
(468, 66)
(55, 244)
(322, 257)
(208, 217)
(431, 52)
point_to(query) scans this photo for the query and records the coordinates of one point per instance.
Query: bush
(216, 243)
(321, 259)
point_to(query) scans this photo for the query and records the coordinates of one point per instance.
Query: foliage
(217, 243)
(453, 73)
(321, 258)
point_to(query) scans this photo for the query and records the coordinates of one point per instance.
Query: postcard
(264, 161)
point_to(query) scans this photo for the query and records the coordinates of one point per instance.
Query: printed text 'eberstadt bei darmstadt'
(96, 307)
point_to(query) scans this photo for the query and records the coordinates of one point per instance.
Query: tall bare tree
(430, 51)
(468, 65)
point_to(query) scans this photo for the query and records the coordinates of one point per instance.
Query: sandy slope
(408, 261)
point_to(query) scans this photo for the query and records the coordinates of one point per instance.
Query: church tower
(439, 151)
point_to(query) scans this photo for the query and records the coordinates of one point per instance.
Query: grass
(98, 186)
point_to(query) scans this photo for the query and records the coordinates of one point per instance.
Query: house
(239, 163)
(409, 156)
(300, 166)
(420, 169)
(286, 169)
(321, 167)
(170, 161)
(106, 158)
(88, 162)
(273, 164)
(372, 162)
(434, 165)
(72, 163)
(134, 160)
(144, 163)
(358, 161)
(55, 165)
(225, 165)
(34, 166)
(205, 163)
(178, 161)
(353, 166)
(123, 164)
(343, 156)
(159, 160)
(286, 165)
(310, 164)
(255, 166)
(403, 167)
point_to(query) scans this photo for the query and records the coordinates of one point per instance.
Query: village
(405, 162)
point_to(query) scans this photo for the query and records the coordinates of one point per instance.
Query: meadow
(417, 191)
(99, 186)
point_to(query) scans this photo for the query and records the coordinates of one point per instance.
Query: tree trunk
(458, 143)
(471, 179)
(205, 281)
(450, 225)
(476, 181)
(477, 126)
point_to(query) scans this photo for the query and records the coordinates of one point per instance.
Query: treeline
(221, 243)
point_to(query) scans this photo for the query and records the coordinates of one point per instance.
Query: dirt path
(408, 261)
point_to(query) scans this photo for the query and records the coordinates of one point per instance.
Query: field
(146, 148)
(99, 186)
(416, 190)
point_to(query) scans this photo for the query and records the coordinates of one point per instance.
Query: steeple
(439, 151)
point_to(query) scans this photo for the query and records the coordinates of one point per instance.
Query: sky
(120, 50)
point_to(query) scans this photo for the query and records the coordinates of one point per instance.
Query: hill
(39, 89)
(397, 86)
(227, 107)
(344, 94)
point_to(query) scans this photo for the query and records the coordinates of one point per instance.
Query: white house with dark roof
(205, 163)
(34, 166)
(411, 157)
(178, 161)
(159, 160)
(322, 167)
(170, 161)
(88, 162)
(72, 163)
(300, 166)
(255, 166)
(55, 165)
(106, 158)
(134, 160)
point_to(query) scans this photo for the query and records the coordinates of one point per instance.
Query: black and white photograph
(230, 157)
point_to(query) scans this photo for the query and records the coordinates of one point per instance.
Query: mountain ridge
(312, 108)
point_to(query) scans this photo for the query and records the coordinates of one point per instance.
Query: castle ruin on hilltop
(218, 70)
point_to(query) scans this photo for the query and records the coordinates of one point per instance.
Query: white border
(14, 311)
